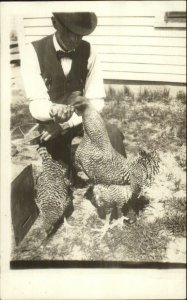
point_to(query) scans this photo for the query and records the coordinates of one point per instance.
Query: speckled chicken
(116, 180)
(54, 197)
(95, 154)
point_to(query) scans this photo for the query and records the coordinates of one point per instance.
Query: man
(58, 68)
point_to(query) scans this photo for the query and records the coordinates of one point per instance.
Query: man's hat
(81, 23)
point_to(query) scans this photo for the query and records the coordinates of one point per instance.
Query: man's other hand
(77, 99)
(78, 102)
(61, 113)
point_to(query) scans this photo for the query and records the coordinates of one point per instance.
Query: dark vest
(58, 85)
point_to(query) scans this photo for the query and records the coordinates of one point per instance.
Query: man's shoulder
(90, 46)
(84, 46)
(43, 40)
(85, 43)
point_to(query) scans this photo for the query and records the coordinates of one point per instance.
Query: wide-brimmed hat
(81, 23)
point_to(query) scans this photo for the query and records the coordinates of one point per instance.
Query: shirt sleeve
(75, 120)
(94, 86)
(34, 85)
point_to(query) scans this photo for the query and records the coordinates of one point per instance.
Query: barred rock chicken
(116, 180)
(109, 201)
(53, 192)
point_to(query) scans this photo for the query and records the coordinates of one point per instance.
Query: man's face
(66, 39)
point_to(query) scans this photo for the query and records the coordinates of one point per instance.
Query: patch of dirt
(164, 186)
(176, 250)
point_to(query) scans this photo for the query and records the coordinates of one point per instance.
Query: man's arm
(36, 91)
(34, 85)
(94, 86)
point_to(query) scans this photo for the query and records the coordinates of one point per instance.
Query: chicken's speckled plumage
(95, 154)
(53, 191)
(107, 198)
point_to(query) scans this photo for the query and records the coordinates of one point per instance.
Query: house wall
(134, 43)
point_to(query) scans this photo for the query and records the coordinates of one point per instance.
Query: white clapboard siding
(14, 50)
(14, 57)
(143, 50)
(130, 46)
(142, 59)
(145, 68)
(128, 21)
(102, 21)
(136, 41)
(117, 31)
(142, 76)
(123, 41)
(105, 8)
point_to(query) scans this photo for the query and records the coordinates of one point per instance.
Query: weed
(181, 96)
(127, 92)
(175, 217)
(181, 157)
(153, 95)
(119, 95)
(111, 94)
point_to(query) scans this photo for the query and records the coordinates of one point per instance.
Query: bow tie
(62, 54)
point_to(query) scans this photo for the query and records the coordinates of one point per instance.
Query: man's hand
(78, 102)
(75, 98)
(50, 132)
(61, 113)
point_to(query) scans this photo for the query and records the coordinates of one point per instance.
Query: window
(171, 19)
(175, 16)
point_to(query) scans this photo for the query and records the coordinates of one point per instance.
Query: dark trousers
(60, 147)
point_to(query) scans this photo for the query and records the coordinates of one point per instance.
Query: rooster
(115, 180)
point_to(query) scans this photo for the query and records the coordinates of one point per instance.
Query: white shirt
(36, 90)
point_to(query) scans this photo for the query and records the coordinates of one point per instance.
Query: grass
(154, 95)
(155, 120)
(150, 120)
(181, 96)
(143, 241)
(152, 114)
(139, 242)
